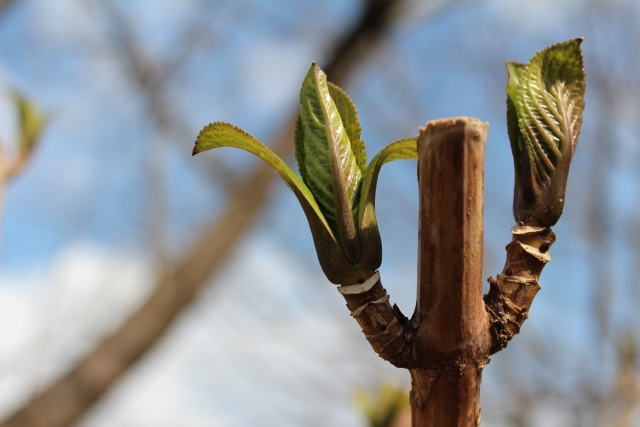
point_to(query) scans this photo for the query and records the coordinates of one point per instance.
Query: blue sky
(85, 187)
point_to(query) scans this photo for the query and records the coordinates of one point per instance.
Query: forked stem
(448, 341)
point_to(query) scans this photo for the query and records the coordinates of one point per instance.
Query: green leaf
(221, 134)
(298, 140)
(369, 235)
(550, 103)
(514, 71)
(330, 166)
(349, 116)
(332, 260)
(549, 100)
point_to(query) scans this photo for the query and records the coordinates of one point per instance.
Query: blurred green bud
(384, 408)
(31, 121)
(545, 100)
(337, 189)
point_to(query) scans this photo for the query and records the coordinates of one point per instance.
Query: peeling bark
(512, 293)
(452, 343)
(385, 327)
(447, 342)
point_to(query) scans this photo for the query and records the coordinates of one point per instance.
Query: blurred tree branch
(69, 397)
(151, 78)
(5, 4)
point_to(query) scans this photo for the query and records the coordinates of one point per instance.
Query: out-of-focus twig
(626, 394)
(151, 78)
(5, 4)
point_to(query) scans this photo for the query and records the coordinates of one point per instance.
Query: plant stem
(511, 295)
(450, 336)
(452, 342)
(385, 327)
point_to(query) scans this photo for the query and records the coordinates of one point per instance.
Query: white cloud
(271, 344)
(50, 318)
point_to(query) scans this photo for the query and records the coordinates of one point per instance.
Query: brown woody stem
(385, 327)
(512, 293)
(453, 331)
(452, 342)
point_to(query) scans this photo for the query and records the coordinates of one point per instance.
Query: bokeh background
(209, 262)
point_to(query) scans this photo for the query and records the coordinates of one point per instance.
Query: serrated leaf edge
(330, 255)
(553, 125)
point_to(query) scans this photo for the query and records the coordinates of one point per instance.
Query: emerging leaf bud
(545, 100)
(327, 161)
(337, 189)
(333, 164)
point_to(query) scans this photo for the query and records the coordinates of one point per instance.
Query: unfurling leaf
(221, 134)
(337, 189)
(329, 166)
(349, 117)
(545, 100)
(514, 71)
(371, 244)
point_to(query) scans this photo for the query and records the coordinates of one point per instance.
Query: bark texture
(385, 327)
(512, 293)
(448, 341)
(452, 325)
